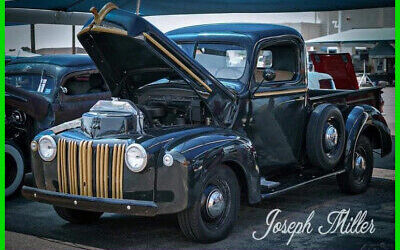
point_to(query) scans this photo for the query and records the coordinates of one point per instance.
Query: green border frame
(2, 132)
(2, 107)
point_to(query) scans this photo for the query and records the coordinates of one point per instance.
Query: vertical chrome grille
(73, 174)
(76, 162)
(117, 169)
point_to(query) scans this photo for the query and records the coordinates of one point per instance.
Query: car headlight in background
(135, 157)
(34, 146)
(47, 148)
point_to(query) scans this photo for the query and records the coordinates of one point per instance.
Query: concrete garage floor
(36, 226)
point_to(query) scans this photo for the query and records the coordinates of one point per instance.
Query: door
(78, 93)
(278, 115)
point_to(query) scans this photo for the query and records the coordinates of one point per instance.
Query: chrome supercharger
(112, 117)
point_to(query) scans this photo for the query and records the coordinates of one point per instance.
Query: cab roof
(253, 31)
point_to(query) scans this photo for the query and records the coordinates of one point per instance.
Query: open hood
(130, 53)
(339, 66)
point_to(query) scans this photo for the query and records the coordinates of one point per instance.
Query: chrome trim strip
(160, 142)
(205, 144)
(280, 92)
(360, 100)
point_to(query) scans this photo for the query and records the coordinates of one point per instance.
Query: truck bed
(370, 96)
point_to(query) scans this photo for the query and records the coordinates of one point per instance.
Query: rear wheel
(14, 168)
(357, 179)
(76, 216)
(213, 215)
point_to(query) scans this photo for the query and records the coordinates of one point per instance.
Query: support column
(33, 43)
(138, 7)
(73, 40)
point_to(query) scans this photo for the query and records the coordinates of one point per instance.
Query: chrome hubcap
(331, 137)
(215, 204)
(360, 163)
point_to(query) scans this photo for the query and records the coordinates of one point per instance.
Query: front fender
(377, 130)
(205, 152)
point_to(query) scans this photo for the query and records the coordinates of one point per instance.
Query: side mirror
(269, 75)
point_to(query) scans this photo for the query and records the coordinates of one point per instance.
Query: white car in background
(318, 80)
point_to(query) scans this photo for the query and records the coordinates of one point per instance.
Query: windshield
(37, 83)
(224, 61)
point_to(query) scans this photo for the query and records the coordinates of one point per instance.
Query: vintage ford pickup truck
(204, 117)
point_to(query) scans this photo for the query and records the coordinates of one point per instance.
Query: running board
(278, 191)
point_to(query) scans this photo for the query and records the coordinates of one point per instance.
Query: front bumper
(133, 207)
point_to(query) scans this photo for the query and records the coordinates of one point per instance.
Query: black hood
(130, 53)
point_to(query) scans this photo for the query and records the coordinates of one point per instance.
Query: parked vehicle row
(42, 92)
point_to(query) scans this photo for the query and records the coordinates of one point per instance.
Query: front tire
(14, 168)
(357, 179)
(76, 216)
(213, 215)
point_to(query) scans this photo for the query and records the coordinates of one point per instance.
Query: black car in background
(42, 92)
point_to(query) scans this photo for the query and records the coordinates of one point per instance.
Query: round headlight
(47, 148)
(135, 157)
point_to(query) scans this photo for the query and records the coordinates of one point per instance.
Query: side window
(85, 84)
(282, 59)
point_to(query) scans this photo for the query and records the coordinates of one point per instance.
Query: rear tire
(325, 139)
(14, 168)
(213, 215)
(357, 179)
(76, 216)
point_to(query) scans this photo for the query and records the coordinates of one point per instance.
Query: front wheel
(76, 216)
(357, 179)
(213, 215)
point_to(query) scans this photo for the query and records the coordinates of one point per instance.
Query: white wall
(47, 36)
(357, 19)
(17, 37)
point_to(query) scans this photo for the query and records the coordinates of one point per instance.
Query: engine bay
(152, 106)
(172, 104)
